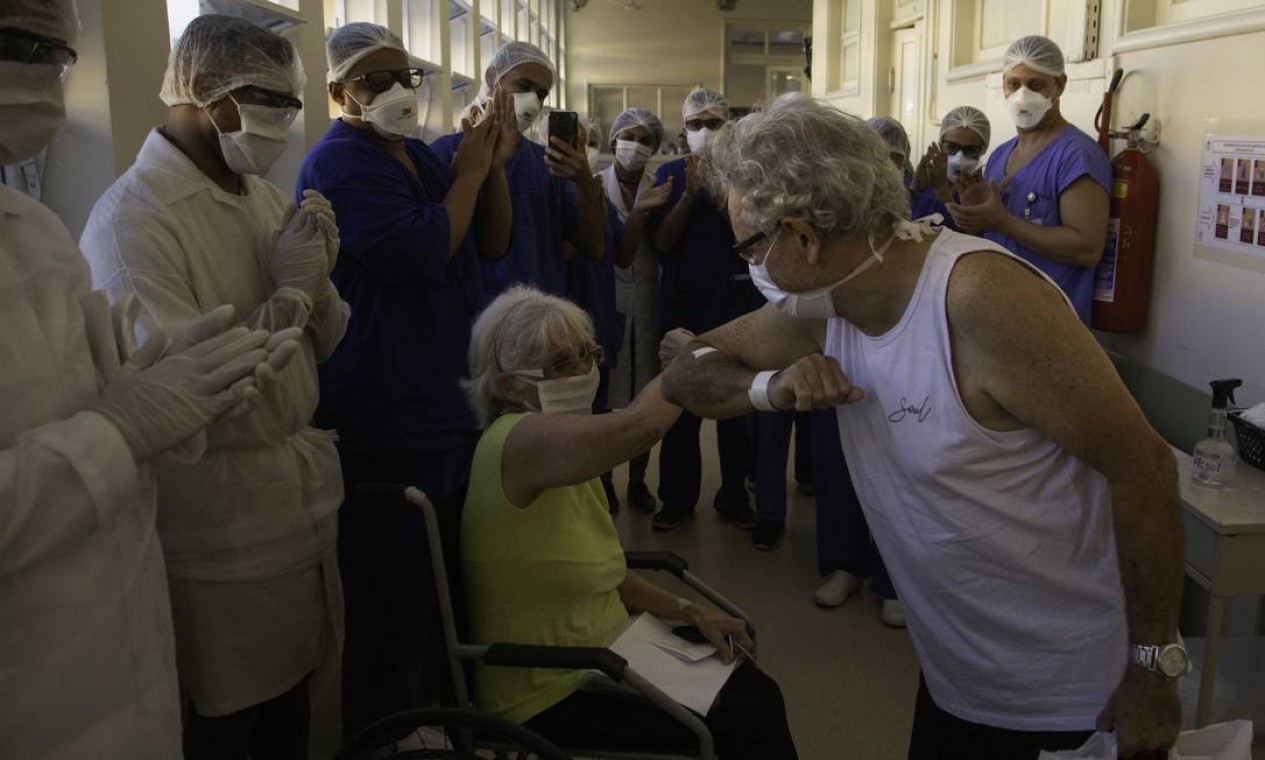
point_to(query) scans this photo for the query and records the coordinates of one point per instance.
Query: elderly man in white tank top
(1028, 512)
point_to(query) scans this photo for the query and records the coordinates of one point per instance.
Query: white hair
(801, 158)
(521, 329)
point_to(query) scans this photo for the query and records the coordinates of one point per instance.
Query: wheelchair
(458, 731)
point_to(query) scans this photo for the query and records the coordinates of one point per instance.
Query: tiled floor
(848, 680)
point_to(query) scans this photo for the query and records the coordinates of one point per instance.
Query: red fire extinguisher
(1122, 287)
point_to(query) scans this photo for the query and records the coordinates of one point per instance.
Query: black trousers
(748, 721)
(937, 735)
(275, 730)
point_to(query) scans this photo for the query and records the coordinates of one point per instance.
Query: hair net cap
(702, 100)
(892, 133)
(351, 43)
(55, 19)
(1037, 53)
(218, 54)
(511, 55)
(967, 117)
(638, 117)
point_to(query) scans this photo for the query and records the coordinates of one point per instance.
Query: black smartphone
(565, 125)
(689, 633)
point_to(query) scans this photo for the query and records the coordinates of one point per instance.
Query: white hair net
(510, 55)
(55, 19)
(1037, 53)
(351, 43)
(702, 100)
(967, 117)
(638, 117)
(893, 134)
(218, 54)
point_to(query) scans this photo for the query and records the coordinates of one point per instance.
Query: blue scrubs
(391, 391)
(544, 216)
(704, 286)
(1033, 194)
(926, 203)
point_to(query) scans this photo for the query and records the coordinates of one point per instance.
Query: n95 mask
(392, 114)
(960, 165)
(527, 108)
(1027, 108)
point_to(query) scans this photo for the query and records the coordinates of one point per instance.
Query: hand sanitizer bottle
(1215, 456)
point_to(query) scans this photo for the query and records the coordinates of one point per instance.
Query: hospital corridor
(632, 379)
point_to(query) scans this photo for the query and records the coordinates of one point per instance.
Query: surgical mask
(593, 157)
(569, 395)
(32, 107)
(700, 140)
(632, 155)
(527, 107)
(255, 147)
(392, 114)
(819, 303)
(1027, 108)
(960, 165)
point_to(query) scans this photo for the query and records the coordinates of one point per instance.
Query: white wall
(667, 42)
(1207, 319)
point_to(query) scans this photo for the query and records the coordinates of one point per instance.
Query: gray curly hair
(801, 158)
(520, 329)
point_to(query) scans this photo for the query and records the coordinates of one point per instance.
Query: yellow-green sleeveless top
(548, 574)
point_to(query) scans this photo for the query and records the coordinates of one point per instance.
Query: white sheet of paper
(644, 644)
(686, 650)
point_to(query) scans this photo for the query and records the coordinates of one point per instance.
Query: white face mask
(569, 395)
(32, 107)
(1027, 108)
(699, 141)
(392, 114)
(819, 303)
(632, 155)
(255, 147)
(527, 107)
(960, 165)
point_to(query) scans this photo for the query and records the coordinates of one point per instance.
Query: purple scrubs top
(1033, 194)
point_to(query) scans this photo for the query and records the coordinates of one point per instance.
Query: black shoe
(768, 535)
(743, 517)
(666, 520)
(612, 501)
(640, 498)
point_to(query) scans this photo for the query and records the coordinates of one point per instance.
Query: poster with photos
(1232, 196)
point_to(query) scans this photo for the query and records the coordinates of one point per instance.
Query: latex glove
(170, 390)
(281, 347)
(322, 212)
(300, 260)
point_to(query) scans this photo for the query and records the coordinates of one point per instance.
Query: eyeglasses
(695, 125)
(742, 250)
(381, 81)
(258, 96)
(589, 358)
(24, 47)
(970, 151)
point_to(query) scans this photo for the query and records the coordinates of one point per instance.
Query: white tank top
(1000, 544)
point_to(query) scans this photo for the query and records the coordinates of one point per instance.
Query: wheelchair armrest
(561, 658)
(657, 560)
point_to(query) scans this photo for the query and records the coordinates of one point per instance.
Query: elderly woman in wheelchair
(542, 560)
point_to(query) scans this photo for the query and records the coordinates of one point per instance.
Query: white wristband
(759, 391)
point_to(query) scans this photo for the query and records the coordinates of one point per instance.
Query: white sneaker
(892, 614)
(839, 585)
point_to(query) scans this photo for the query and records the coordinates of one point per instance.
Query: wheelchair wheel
(449, 733)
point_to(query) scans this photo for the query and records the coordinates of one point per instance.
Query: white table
(1225, 552)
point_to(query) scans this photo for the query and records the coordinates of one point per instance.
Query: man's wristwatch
(1171, 661)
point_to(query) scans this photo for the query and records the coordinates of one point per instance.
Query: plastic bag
(1224, 741)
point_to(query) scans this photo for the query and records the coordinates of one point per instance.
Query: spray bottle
(1215, 456)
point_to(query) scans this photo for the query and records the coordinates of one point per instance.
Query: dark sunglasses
(970, 151)
(742, 250)
(25, 47)
(258, 96)
(381, 81)
(695, 125)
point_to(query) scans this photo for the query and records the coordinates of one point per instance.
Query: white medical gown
(249, 530)
(87, 665)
